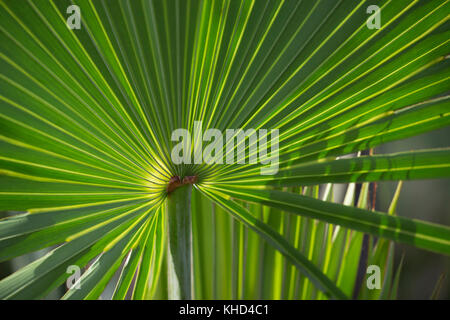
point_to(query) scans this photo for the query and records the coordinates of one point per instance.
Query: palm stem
(179, 239)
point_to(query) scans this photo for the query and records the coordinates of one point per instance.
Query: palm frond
(86, 123)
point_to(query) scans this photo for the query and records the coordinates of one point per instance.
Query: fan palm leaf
(86, 122)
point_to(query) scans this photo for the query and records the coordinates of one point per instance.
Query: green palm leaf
(86, 123)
